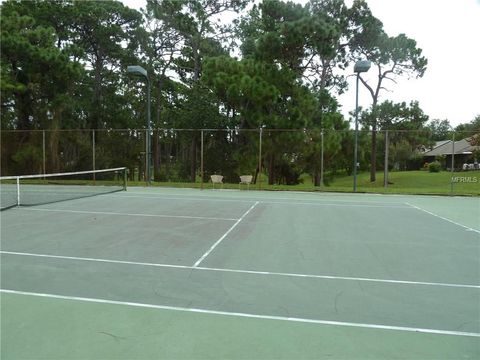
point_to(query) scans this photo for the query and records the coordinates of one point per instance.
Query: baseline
(245, 315)
(335, 204)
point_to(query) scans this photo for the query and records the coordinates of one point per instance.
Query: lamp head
(137, 70)
(362, 66)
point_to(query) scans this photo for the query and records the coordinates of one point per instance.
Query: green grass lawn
(401, 182)
(413, 182)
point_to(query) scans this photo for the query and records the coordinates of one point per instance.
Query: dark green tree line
(276, 66)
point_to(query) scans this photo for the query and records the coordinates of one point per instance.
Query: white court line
(311, 203)
(224, 235)
(443, 218)
(185, 198)
(334, 204)
(129, 214)
(244, 315)
(253, 272)
(251, 198)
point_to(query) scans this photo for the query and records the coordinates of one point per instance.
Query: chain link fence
(388, 161)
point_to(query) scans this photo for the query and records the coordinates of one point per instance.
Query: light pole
(360, 66)
(140, 71)
(452, 167)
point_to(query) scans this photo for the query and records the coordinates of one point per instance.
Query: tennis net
(29, 190)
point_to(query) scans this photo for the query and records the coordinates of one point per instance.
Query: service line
(129, 214)
(239, 271)
(224, 235)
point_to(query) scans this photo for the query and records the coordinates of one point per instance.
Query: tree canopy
(274, 65)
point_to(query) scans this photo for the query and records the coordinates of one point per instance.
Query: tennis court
(184, 273)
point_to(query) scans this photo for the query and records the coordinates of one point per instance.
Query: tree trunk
(23, 107)
(54, 155)
(271, 169)
(156, 148)
(316, 176)
(97, 95)
(156, 155)
(373, 158)
(193, 163)
(23, 101)
(168, 159)
(323, 84)
(196, 58)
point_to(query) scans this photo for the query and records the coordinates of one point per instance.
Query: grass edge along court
(400, 182)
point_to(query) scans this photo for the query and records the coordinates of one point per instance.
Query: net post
(125, 171)
(18, 191)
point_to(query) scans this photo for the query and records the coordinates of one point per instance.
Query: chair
(246, 180)
(216, 179)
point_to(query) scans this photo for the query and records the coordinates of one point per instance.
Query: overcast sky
(448, 31)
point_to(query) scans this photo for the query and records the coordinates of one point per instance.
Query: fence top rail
(234, 130)
(140, 130)
(61, 174)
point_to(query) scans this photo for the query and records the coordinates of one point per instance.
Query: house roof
(442, 142)
(445, 147)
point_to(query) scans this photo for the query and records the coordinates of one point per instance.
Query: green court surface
(158, 273)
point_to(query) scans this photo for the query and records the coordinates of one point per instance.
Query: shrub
(434, 167)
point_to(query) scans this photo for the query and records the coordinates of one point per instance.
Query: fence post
(44, 154)
(260, 159)
(93, 152)
(385, 165)
(201, 159)
(321, 161)
(453, 163)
